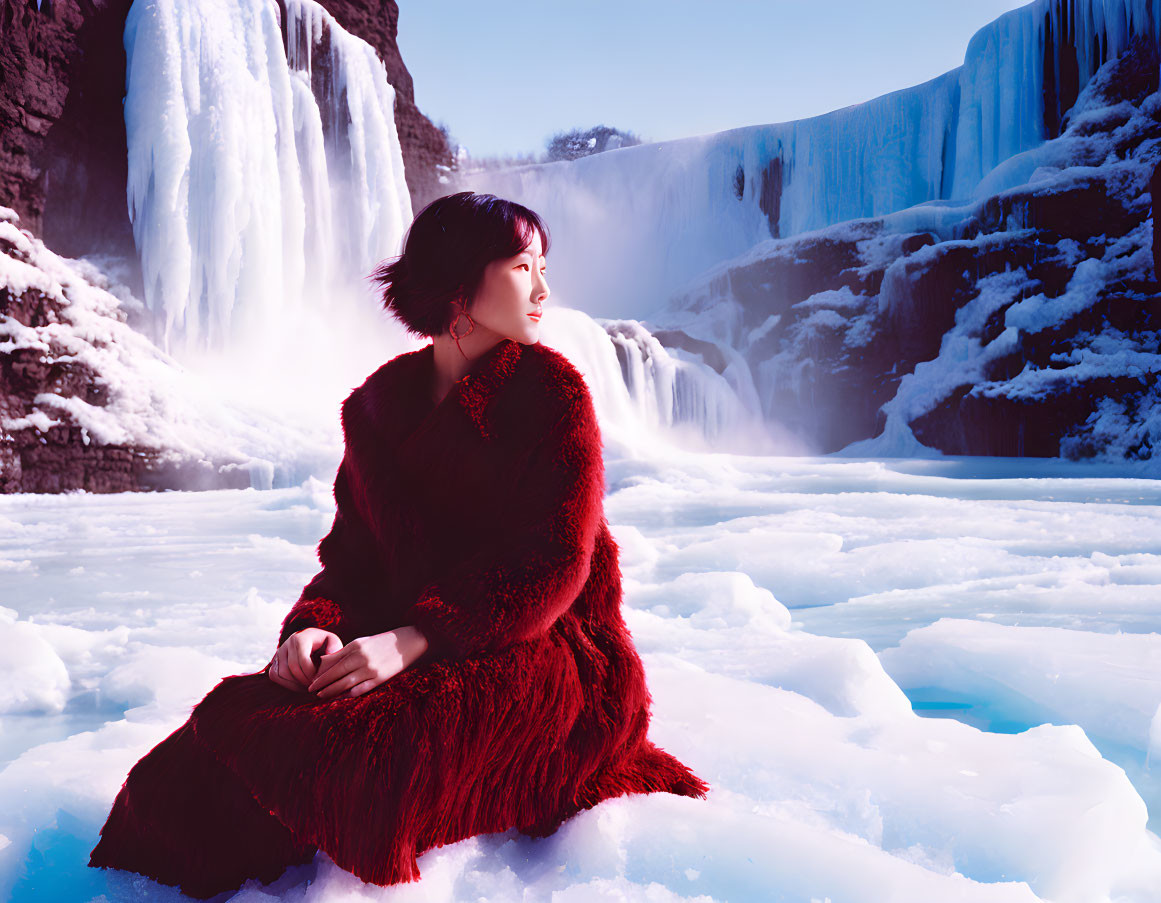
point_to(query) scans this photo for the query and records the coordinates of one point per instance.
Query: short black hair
(445, 250)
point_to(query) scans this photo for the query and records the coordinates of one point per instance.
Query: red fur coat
(480, 520)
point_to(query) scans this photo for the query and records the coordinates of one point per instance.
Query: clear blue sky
(506, 75)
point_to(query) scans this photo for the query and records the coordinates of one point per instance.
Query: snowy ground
(789, 611)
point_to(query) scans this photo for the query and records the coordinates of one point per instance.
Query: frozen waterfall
(651, 390)
(265, 170)
(640, 222)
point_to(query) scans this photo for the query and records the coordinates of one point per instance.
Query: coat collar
(403, 385)
(474, 391)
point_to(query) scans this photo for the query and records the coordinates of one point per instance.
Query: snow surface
(785, 609)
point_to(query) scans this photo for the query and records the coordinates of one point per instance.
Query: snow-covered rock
(88, 402)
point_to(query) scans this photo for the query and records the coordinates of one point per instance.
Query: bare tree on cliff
(575, 144)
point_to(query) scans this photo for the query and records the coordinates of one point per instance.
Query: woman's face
(511, 295)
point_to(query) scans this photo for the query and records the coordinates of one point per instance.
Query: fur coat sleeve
(530, 571)
(350, 569)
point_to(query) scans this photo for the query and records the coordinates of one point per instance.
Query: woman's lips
(535, 317)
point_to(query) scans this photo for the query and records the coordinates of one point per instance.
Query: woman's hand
(292, 666)
(366, 662)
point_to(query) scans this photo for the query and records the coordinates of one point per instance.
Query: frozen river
(798, 618)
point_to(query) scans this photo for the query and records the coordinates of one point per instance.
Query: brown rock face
(424, 146)
(59, 457)
(55, 359)
(842, 338)
(63, 156)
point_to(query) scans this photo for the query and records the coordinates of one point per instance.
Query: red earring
(471, 325)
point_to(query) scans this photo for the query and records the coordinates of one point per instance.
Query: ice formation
(826, 784)
(264, 165)
(646, 219)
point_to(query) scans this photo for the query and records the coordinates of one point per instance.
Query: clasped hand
(350, 670)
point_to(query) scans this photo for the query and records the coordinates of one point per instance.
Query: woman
(460, 664)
